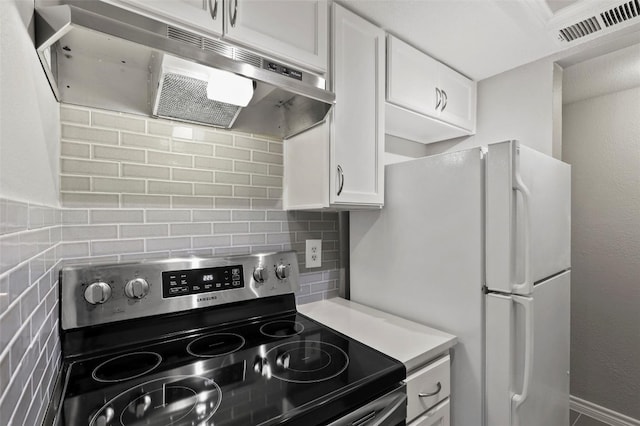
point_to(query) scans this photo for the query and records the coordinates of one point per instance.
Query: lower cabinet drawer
(427, 387)
(437, 416)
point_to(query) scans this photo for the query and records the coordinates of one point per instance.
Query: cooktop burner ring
(326, 354)
(171, 391)
(266, 329)
(235, 345)
(153, 361)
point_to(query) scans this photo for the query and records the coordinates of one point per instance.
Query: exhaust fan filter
(185, 98)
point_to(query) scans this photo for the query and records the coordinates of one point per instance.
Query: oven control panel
(103, 293)
(205, 280)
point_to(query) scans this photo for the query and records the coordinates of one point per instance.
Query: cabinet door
(204, 16)
(459, 99)
(412, 78)
(295, 30)
(357, 142)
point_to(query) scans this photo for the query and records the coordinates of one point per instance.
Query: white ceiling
(478, 38)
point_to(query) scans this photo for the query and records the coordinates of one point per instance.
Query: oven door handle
(387, 410)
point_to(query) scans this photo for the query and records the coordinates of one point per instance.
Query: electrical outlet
(313, 254)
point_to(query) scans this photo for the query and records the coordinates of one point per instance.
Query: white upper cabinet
(357, 142)
(338, 164)
(426, 100)
(295, 31)
(204, 16)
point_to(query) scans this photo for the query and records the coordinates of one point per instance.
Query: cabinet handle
(427, 395)
(234, 15)
(213, 9)
(438, 98)
(341, 180)
(444, 103)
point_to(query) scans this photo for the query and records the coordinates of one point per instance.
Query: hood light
(229, 88)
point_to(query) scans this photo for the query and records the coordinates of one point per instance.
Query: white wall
(29, 114)
(602, 143)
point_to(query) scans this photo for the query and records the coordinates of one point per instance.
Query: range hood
(98, 55)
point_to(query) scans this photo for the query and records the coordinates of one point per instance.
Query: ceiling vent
(585, 18)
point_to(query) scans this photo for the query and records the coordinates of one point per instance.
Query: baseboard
(598, 412)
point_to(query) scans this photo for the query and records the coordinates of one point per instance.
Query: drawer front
(437, 416)
(426, 381)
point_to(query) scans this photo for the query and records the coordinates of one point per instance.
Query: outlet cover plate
(313, 254)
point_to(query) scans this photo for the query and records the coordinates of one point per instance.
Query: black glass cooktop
(286, 369)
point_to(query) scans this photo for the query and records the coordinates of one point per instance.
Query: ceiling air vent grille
(621, 13)
(581, 29)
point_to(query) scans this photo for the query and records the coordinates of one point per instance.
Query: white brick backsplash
(249, 191)
(89, 232)
(165, 187)
(257, 144)
(242, 166)
(99, 248)
(232, 203)
(190, 229)
(168, 216)
(276, 170)
(247, 215)
(200, 134)
(156, 244)
(258, 180)
(75, 217)
(212, 241)
(146, 201)
(167, 159)
(235, 178)
(230, 228)
(192, 148)
(212, 190)
(276, 147)
(70, 115)
(191, 202)
(262, 157)
(75, 183)
(211, 215)
(151, 230)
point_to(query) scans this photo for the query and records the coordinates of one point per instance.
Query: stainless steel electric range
(211, 341)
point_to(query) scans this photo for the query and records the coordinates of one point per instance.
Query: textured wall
(136, 188)
(602, 143)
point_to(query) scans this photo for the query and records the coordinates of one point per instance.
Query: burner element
(307, 361)
(217, 344)
(126, 367)
(173, 400)
(282, 328)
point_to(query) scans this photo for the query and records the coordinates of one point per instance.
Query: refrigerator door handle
(526, 286)
(518, 399)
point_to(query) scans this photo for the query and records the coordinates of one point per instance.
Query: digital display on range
(195, 281)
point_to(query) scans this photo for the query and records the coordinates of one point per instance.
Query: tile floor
(577, 419)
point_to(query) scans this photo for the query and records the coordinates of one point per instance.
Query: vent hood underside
(101, 56)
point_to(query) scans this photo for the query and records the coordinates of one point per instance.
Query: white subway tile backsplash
(75, 183)
(89, 232)
(249, 191)
(119, 186)
(179, 229)
(249, 143)
(212, 163)
(87, 200)
(276, 147)
(212, 190)
(268, 227)
(138, 231)
(166, 159)
(242, 166)
(276, 170)
(230, 228)
(262, 157)
(89, 134)
(142, 141)
(233, 153)
(88, 167)
(259, 180)
(71, 115)
(232, 203)
(115, 121)
(75, 217)
(191, 202)
(248, 215)
(211, 215)
(101, 248)
(116, 216)
(189, 175)
(153, 172)
(192, 148)
(174, 243)
(248, 239)
(146, 201)
(170, 188)
(168, 216)
(204, 135)
(72, 149)
(212, 241)
(101, 152)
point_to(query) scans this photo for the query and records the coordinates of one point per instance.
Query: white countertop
(411, 343)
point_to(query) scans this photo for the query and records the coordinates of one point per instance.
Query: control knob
(260, 274)
(282, 271)
(137, 288)
(97, 293)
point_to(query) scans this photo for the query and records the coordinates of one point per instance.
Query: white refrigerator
(477, 244)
